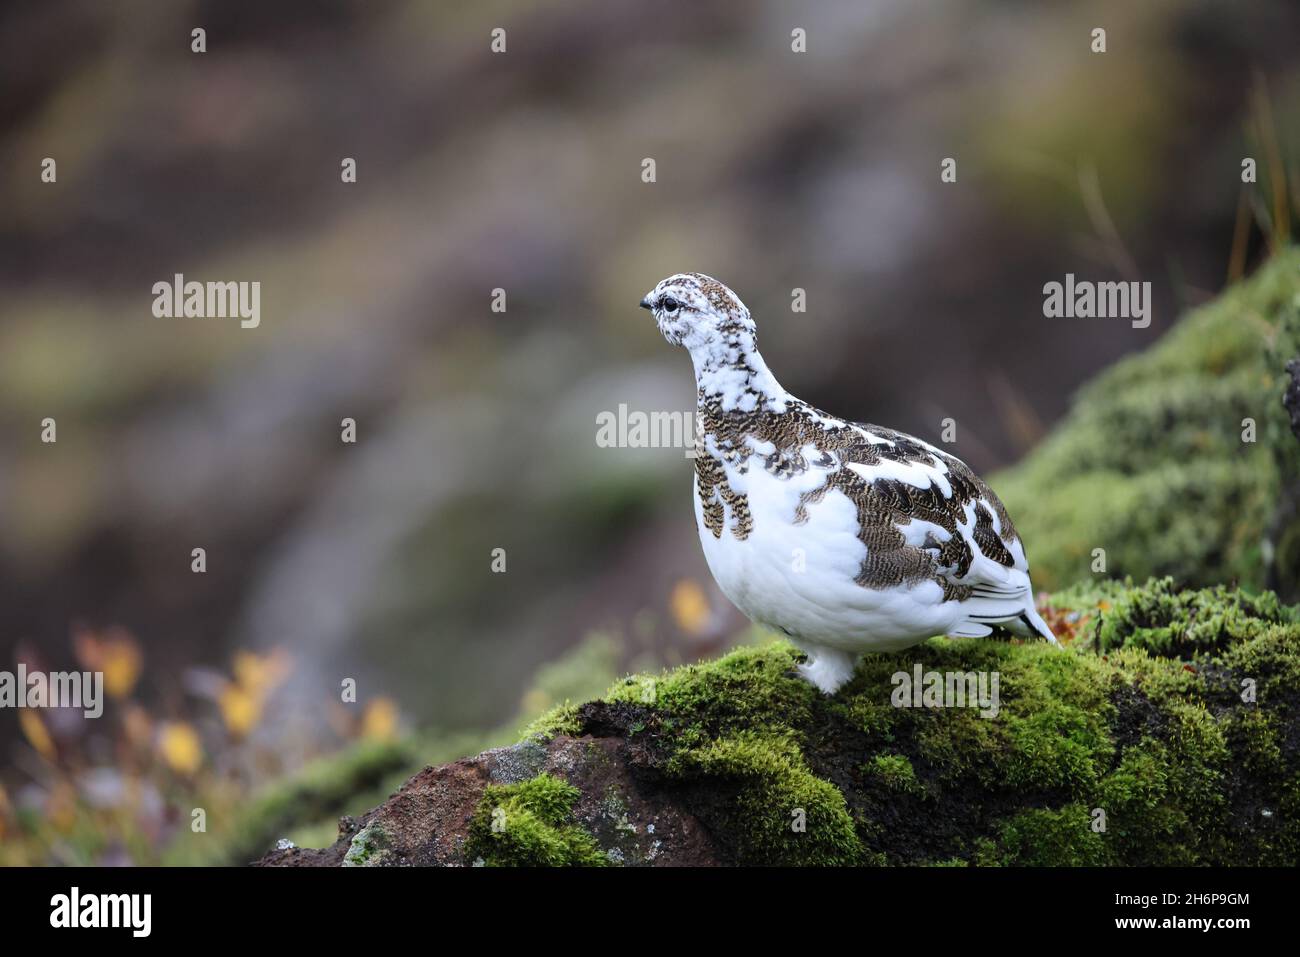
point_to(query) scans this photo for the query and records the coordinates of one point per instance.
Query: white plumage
(847, 538)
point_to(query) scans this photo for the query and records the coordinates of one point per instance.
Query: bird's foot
(800, 659)
(829, 669)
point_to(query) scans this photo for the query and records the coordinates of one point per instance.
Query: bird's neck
(732, 374)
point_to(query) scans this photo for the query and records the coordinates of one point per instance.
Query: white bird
(847, 538)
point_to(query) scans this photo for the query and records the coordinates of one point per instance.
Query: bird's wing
(938, 503)
(931, 516)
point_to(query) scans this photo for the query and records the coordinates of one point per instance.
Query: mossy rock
(1166, 731)
(1154, 463)
(531, 823)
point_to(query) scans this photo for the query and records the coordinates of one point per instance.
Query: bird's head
(698, 312)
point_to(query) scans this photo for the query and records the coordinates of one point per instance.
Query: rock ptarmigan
(847, 538)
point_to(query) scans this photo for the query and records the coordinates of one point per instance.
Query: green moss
(1133, 745)
(1154, 448)
(895, 772)
(1257, 737)
(747, 690)
(729, 724)
(778, 811)
(562, 719)
(531, 824)
(1173, 623)
(1139, 808)
(1056, 722)
(1057, 837)
(1267, 664)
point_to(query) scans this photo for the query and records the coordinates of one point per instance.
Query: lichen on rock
(368, 848)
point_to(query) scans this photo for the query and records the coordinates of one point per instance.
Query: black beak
(645, 303)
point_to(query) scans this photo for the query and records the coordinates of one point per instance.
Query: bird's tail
(1010, 605)
(1034, 621)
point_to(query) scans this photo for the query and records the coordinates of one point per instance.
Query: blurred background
(476, 429)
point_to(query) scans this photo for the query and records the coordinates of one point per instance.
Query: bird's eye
(669, 304)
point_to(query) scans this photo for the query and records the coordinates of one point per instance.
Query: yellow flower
(35, 733)
(690, 607)
(122, 664)
(180, 747)
(379, 722)
(116, 654)
(260, 674)
(240, 709)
